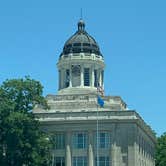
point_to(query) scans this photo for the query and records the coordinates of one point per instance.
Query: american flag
(100, 90)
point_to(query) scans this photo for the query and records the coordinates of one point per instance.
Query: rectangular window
(80, 161)
(59, 161)
(86, 77)
(103, 140)
(102, 161)
(79, 140)
(60, 141)
(102, 77)
(67, 78)
(96, 79)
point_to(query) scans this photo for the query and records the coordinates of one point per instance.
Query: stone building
(76, 119)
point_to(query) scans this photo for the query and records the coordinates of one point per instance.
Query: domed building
(92, 129)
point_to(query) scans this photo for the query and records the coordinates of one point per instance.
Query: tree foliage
(21, 140)
(161, 151)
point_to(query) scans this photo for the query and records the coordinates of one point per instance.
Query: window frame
(61, 161)
(60, 141)
(67, 81)
(86, 76)
(79, 142)
(104, 142)
(79, 161)
(103, 161)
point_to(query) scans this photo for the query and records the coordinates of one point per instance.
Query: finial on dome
(81, 25)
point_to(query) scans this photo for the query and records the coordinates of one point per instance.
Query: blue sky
(131, 35)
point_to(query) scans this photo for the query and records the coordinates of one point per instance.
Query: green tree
(21, 140)
(161, 151)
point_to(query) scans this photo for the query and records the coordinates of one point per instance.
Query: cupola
(81, 64)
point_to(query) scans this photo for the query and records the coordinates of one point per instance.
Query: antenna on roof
(81, 14)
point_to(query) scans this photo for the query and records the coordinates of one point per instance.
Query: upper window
(80, 161)
(86, 44)
(67, 78)
(102, 161)
(76, 79)
(76, 70)
(86, 77)
(60, 141)
(96, 79)
(77, 44)
(103, 140)
(79, 140)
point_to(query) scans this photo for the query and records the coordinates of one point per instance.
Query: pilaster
(90, 150)
(68, 149)
(62, 78)
(100, 80)
(92, 76)
(82, 75)
(70, 76)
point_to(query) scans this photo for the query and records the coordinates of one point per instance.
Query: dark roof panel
(81, 41)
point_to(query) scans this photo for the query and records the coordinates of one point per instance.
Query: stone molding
(87, 117)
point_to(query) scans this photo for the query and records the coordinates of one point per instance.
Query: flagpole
(101, 103)
(97, 123)
(97, 133)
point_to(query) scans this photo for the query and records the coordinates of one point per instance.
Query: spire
(81, 25)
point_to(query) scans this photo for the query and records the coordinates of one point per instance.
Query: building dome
(81, 64)
(81, 42)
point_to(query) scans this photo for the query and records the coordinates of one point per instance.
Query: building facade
(85, 133)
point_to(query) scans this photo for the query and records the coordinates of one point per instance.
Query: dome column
(62, 78)
(82, 75)
(100, 80)
(92, 76)
(102, 75)
(70, 77)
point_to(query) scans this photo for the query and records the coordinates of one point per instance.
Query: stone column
(92, 75)
(90, 150)
(114, 151)
(68, 149)
(131, 156)
(100, 80)
(82, 75)
(132, 148)
(62, 78)
(113, 155)
(137, 149)
(70, 77)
